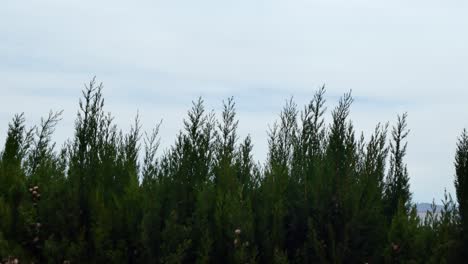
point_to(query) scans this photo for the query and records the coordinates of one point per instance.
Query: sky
(156, 57)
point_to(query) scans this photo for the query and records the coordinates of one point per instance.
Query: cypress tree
(151, 187)
(13, 189)
(366, 236)
(397, 182)
(461, 184)
(276, 184)
(83, 172)
(227, 206)
(47, 173)
(339, 182)
(401, 214)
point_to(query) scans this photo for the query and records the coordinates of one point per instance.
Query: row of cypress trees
(323, 195)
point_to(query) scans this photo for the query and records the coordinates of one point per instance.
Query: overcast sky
(157, 56)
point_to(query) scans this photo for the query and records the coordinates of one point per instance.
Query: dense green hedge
(323, 196)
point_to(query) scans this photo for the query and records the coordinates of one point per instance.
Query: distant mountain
(422, 209)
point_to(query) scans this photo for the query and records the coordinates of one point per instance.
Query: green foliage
(461, 184)
(445, 225)
(397, 183)
(323, 195)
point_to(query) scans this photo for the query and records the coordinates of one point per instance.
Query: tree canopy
(324, 194)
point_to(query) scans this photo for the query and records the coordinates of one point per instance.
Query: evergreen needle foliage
(324, 195)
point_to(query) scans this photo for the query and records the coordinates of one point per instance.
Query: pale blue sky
(157, 56)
